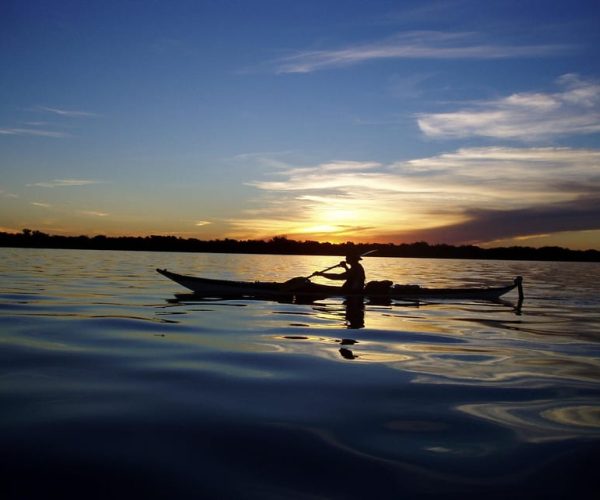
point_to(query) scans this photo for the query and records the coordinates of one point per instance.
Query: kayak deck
(304, 287)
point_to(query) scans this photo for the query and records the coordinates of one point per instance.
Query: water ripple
(103, 369)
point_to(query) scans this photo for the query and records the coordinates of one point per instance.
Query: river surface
(111, 386)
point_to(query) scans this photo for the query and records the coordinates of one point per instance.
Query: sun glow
(461, 196)
(340, 215)
(323, 228)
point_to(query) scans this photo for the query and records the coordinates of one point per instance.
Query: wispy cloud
(65, 183)
(43, 128)
(575, 109)
(33, 132)
(482, 225)
(413, 45)
(65, 112)
(94, 213)
(7, 194)
(440, 196)
(262, 159)
(202, 223)
(40, 204)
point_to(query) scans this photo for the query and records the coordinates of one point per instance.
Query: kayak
(303, 287)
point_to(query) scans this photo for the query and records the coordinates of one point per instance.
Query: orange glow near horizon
(490, 196)
(576, 240)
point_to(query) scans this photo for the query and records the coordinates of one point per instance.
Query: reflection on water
(541, 421)
(108, 379)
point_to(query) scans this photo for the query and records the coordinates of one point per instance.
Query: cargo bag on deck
(378, 287)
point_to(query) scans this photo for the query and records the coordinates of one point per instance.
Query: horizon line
(273, 241)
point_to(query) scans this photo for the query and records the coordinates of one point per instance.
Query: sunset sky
(461, 121)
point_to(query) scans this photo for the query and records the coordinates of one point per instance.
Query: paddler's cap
(353, 258)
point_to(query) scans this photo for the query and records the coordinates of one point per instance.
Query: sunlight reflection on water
(92, 337)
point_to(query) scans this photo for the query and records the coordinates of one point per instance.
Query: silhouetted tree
(283, 245)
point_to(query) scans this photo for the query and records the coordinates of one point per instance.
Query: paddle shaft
(293, 283)
(325, 270)
(340, 264)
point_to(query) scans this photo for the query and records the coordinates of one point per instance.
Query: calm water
(111, 387)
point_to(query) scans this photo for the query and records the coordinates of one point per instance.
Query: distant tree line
(282, 245)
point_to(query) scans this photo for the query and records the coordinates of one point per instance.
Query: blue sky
(457, 121)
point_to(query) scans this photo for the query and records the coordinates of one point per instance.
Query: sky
(457, 121)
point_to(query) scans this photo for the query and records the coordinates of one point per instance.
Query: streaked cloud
(33, 132)
(483, 225)
(202, 223)
(40, 204)
(575, 109)
(413, 45)
(65, 183)
(7, 194)
(65, 112)
(94, 213)
(42, 128)
(440, 197)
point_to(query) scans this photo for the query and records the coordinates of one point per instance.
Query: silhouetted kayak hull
(225, 288)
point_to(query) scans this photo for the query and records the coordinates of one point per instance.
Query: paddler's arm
(332, 276)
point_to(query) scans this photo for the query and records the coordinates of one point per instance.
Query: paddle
(292, 283)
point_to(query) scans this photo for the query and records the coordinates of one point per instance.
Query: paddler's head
(353, 258)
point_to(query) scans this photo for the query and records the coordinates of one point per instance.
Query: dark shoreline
(284, 246)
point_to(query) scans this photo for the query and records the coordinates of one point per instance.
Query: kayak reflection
(350, 312)
(353, 311)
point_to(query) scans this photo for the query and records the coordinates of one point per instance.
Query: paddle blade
(368, 253)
